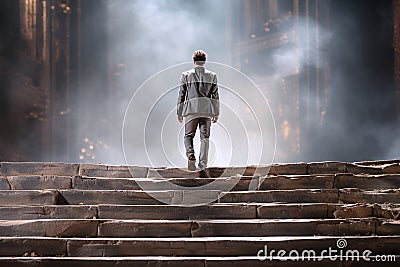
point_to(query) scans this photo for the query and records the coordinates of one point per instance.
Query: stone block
(367, 181)
(38, 168)
(353, 211)
(393, 168)
(282, 227)
(354, 195)
(288, 168)
(292, 211)
(328, 167)
(296, 182)
(364, 169)
(49, 228)
(48, 212)
(123, 197)
(172, 212)
(388, 227)
(34, 182)
(284, 196)
(145, 228)
(19, 246)
(98, 170)
(28, 197)
(387, 211)
(172, 173)
(134, 247)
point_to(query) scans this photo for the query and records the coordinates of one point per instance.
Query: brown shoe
(191, 163)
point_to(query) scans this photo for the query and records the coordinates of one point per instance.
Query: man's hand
(214, 119)
(180, 118)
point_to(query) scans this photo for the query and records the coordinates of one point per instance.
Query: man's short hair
(199, 57)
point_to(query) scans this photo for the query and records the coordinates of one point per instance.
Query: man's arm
(181, 98)
(215, 98)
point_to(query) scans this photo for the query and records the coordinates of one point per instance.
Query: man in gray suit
(198, 103)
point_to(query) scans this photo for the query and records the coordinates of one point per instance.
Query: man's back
(198, 93)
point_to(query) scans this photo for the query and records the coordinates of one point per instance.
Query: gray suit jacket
(198, 93)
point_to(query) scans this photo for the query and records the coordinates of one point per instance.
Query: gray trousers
(191, 124)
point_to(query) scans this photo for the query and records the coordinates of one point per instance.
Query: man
(198, 103)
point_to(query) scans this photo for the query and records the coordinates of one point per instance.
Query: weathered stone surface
(39, 182)
(388, 227)
(354, 195)
(156, 184)
(98, 170)
(285, 196)
(152, 184)
(28, 197)
(297, 182)
(171, 212)
(282, 227)
(295, 211)
(52, 228)
(231, 171)
(328, 167)
(172, 173)
(377, 162)
(18, 246)
(4, 185)
(48, 212)
(353, 211)
(108, 262)
(96, 183)
(38, 168)
(360, 169)
(145, 228)
(367, 181)
(388, 211)
(392, 168)
(132, 197)
(221, 246)
(287, 168)
(136, 247)
(123, 197)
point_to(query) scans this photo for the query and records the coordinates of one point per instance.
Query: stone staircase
(59, 214)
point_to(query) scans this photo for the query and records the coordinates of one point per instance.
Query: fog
(134, 52)
(358, 121)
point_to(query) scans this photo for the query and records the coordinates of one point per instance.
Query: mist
(128, 43)
(358, 121)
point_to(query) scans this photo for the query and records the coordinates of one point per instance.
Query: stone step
(273, 182)
(99, 170)
(194, 246)
(189, 197)
(132, 197)
(197, 228)
(187, 261)
(211, 211)
(37, 182)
